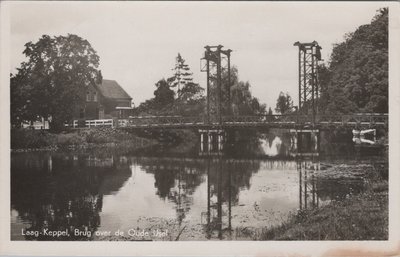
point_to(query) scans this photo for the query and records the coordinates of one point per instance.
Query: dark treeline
(356, 77)
(176, 95)
(179, 95)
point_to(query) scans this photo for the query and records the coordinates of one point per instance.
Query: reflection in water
(217, 180)
(204, 198)
(62, 193)
(220, 198)
(308, 184)
(271, 148)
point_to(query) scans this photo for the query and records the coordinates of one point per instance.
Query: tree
(270, 117)
(162, 102)
(190, 96)
(356, 79)
(20, 104)
(163, 95)
(55, 78)
(270, 111)
(191, 101)
(284, 104)
(242, 101)
(191, 92)
(182, 75)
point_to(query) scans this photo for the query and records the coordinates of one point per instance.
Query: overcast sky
(138, 41)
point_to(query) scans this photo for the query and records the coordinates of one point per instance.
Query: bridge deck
(272, 121)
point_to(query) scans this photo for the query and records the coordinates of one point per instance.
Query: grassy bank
(27, 140)
(359, 217)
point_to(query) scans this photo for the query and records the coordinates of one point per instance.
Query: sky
(137, 42)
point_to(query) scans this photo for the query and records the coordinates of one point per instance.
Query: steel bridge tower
(309, 55)
(217, 65)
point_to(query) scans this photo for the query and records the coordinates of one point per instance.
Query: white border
(205, 248)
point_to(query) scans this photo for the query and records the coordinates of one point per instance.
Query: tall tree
(284, 104)
(356, 79)
(189, 95)
(182, 75)
(55, 78)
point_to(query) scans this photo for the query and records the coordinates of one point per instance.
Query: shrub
(25, 138)
(69, 139)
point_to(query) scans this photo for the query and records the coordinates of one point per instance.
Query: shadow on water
(222, 195)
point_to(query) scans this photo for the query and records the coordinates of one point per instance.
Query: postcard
(215, 128)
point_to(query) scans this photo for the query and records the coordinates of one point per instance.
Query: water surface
(170, 197)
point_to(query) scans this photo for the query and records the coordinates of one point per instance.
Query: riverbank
(361, 216)
(23, 140)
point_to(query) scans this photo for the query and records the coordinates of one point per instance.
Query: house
(107, 100)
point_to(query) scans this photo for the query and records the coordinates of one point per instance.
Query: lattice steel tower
(309, 55)
(217, 61)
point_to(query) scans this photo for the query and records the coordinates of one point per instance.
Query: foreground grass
(359, 217)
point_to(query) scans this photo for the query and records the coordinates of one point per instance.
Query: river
(105, 195)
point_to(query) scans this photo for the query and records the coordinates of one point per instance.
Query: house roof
(111, 89)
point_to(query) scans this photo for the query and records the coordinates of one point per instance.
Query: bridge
(214, 127)
(323, 122)
(218, 112)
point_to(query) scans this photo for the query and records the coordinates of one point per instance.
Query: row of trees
(179, 95)
(175, 95)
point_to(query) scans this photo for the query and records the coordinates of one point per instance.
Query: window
(95, 96)
(87, 96)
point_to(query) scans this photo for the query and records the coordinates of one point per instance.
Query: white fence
(102, 123)
(99, 123)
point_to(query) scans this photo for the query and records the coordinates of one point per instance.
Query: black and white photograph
(219, 121)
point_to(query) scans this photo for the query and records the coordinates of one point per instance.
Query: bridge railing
(272, 119)
(353, 119)
(292, 119)
(143, 121)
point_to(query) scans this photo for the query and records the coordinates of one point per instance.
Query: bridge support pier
(215, 140)
(305, 141)
(201, 142)
(209, 142)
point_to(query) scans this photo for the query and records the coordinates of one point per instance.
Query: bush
(32, 139)
(99, 135)
(69, 139)
(24, 138)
